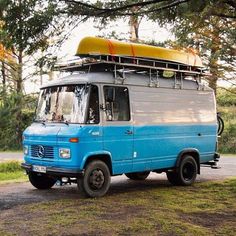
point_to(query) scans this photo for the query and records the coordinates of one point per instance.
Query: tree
(206, 25)
(113, 8)
(209, 27)
(26, 26)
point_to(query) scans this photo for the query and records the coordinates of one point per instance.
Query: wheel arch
(103, 156)
(192, 152)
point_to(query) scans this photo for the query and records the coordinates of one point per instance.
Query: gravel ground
(9, 156)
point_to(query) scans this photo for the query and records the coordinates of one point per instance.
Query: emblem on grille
(40, 151)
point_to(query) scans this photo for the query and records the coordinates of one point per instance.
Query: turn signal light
(73, 140)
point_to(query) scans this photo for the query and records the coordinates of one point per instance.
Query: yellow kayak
(91, 46)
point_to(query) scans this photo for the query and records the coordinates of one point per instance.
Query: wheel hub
(188, 171)
(96, 179)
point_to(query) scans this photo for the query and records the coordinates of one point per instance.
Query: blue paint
(155, 147)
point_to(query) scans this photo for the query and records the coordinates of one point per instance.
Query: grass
(12, 151)
(11, 172)
(203, 209)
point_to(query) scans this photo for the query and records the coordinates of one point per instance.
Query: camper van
(121, 111)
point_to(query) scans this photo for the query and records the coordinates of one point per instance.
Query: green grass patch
(207, 208)
(11, 172)
(11, 166)
(12, 151)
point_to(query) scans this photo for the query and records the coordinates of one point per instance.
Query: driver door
(118, 128)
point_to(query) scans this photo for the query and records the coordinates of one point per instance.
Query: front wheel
(138, 175)
(41, 181)
(96, 180)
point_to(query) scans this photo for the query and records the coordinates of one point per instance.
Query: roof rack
(121, 65)
(103, 62)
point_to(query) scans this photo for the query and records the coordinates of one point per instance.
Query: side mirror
(111, 94)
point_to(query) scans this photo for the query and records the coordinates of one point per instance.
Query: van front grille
(41, 151)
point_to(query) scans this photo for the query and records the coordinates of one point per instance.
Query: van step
(211, 164)
(215, 167)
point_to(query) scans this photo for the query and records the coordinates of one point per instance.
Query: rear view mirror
(111, 94)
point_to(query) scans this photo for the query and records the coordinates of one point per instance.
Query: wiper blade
(66, 122)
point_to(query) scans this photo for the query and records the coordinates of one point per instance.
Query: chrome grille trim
(48, 151)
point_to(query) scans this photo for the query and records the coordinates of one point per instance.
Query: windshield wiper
(66, 122)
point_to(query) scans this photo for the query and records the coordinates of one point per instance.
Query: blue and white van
(106, 119)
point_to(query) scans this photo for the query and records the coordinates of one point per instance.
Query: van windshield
(63, 104)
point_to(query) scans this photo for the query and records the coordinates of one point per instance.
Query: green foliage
(11, 166)
(225, 98)
(25, 23)
(26, 28)
(10, 124)
(227, 141)
(227, 108)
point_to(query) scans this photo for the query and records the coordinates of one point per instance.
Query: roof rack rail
(104, 62)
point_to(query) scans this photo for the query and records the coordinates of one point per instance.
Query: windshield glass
(63, 104)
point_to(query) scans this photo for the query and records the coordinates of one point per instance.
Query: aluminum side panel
(171, 106)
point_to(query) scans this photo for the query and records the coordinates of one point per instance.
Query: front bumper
(55, 171)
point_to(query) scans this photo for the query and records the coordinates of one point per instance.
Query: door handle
(129, 132)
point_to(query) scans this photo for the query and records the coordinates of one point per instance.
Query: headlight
(64, 152)
(26, 150)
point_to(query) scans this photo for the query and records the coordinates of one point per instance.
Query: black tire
(138, 175)
(186, 173)
(41, 181)
(220, 125)
(172, 177)
(96, 179)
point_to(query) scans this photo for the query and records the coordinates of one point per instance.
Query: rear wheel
(96, 180)
(186, 173)
(41, 181)
(172, 177)
(138, 175)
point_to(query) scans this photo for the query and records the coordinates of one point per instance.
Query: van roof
(126, 79)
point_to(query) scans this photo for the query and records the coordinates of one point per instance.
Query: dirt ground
(12, 195)
(125, 207)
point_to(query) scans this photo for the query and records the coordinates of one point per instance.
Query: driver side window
(93, 108)
(117, 103)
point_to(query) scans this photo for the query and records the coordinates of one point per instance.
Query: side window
(117, 103)
(93, 107)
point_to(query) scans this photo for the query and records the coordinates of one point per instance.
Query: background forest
(32, 31)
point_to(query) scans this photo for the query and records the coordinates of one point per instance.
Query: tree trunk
(19, 82)
(19, 99)
(3, 71)
(134, 25)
